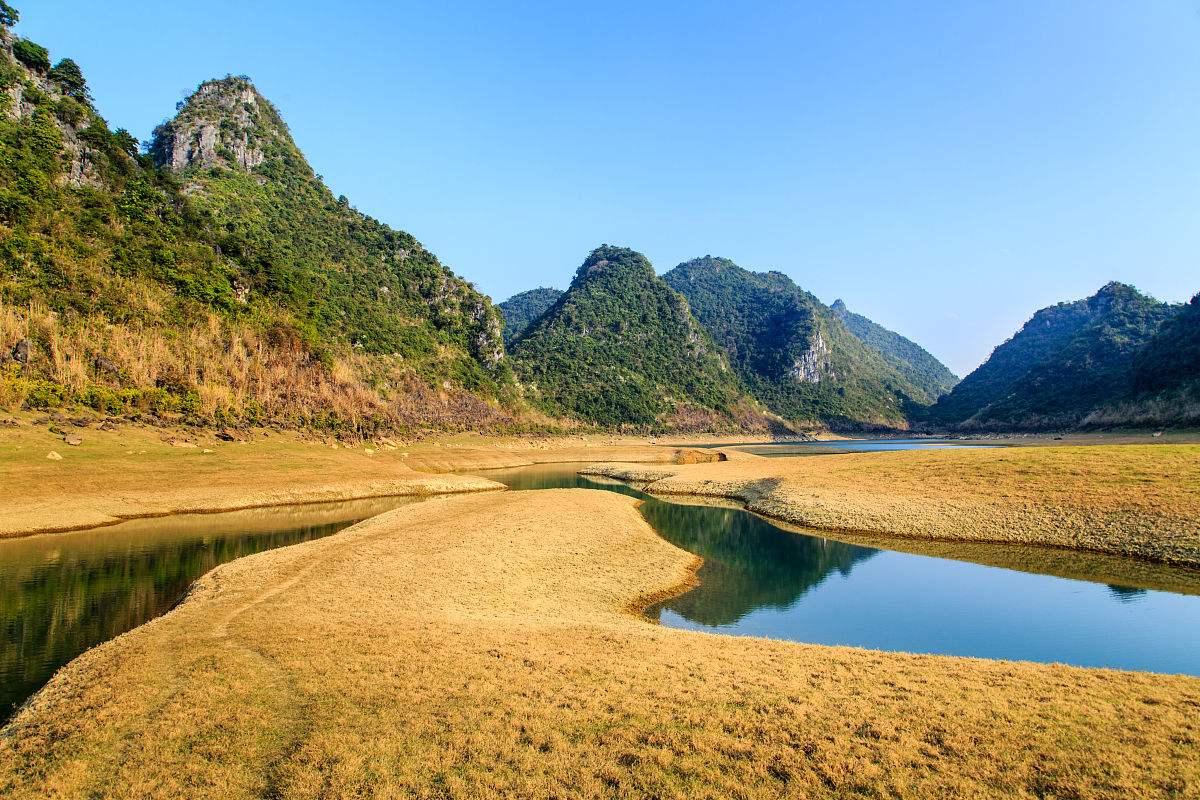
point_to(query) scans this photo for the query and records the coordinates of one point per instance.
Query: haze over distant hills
(911, 360)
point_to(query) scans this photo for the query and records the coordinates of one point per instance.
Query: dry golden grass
(483, 646)
(136, 471)
(1131, 500)
(237, 371)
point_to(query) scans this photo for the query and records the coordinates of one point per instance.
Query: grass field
(1129, 500)
(485, 645)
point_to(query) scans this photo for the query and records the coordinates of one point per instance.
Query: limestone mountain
(216, 279)
(1067, 361)
(911, 360)
(621, 347)
(335, 268)
(523, 309)
(791, 351)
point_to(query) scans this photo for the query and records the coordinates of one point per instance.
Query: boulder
(21, 351)
(106, 367)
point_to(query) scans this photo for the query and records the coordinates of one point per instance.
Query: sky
(946, 168)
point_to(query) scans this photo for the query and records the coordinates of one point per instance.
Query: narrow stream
(990, 601)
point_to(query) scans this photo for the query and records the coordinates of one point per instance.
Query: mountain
(522, 309)
(791, 351)
(621, 347)
(216, 280)
(911, 360)
(335, 269)
(1067, 361)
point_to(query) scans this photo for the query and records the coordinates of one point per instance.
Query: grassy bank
(484, 646)
(1129, 500)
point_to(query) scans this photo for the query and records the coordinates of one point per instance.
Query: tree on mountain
(126, 141)
(69, 76)
(9, 16)
(31, 54)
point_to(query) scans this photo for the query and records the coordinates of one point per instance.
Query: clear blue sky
(945, 167)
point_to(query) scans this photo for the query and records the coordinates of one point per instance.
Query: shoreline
(820, 495)
(134, 473)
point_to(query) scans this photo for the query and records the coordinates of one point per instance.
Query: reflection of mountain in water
(748, 562)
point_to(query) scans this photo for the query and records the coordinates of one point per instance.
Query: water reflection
(748, 565)
(1126, 594)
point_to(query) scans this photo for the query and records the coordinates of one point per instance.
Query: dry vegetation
(484, 646)
(1130, 500)
(216, 371)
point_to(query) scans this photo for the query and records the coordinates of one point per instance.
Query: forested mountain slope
(216, 280)
(914, 362)
(791, 351)
(1068, 361)
(620, 347)
(523, 309)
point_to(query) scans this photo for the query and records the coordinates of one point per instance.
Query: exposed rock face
(80, 168)
(226, 123)
(791, 351)
(812, 363)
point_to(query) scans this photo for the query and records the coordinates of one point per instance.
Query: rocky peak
(225, 123)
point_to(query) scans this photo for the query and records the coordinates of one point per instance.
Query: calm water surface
(63, 593)
(992, 601)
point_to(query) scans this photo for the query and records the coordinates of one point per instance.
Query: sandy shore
(485, 646)
(135, 472)
(1127, 500)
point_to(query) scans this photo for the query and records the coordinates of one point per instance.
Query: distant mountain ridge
(911, 360)
(793, 353)
(524, 308)
(621, 347)
(1071, 361)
